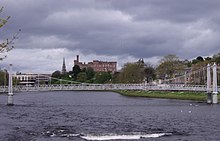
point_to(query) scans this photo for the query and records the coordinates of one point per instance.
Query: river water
(84, 115)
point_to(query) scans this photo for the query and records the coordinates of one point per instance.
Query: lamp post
(10, 89)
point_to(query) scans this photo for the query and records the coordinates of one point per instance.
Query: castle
(98, 66)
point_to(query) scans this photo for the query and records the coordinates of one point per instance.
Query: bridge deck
(94, 87)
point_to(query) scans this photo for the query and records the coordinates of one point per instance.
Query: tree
(90, 73)
(208, 59)
(132, 73)
(81, 77)
(6, 45)
(3, 78)
(169, 66)
(102, 77)
(216, 58)
(149, 72)
(56, 74)
(115, 77)
(197, 60)
(76, 71)
(3, 21)
(200, 58)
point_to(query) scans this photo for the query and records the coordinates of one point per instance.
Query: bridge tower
(215, 85)
(209, 89)
(212, 93)
(10, 89)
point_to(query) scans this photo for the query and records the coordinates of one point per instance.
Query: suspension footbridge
(202, 80)
(102, 87)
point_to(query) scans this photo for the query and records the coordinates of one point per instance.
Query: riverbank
(196, 96)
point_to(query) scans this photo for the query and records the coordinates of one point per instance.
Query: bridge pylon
(215, 85)
(209, 89)
(10, 87)
(212, 92)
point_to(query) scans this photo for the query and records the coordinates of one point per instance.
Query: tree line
(130, 73)
(85, 75)
(169, 66)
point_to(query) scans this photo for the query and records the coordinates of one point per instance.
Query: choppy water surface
(55, 116)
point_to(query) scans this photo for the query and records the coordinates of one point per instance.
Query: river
(85, 115)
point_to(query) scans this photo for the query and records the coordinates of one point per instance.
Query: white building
(31, 79)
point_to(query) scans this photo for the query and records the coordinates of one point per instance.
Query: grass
(196, 96)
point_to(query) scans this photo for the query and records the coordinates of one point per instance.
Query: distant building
(98, 66)
(31, 79)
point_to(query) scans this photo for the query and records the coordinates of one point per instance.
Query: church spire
(64, 67)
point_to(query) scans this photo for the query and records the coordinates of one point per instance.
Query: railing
(173, 87)
(96, 87)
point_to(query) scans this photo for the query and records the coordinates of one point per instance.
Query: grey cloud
(171, 10)
(138, 29)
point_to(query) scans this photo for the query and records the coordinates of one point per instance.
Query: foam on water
(70, 135)
(123, 137)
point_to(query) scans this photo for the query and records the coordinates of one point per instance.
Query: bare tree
(170, 66)
(7, 44)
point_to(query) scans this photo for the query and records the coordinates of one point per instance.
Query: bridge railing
(176, 87)
(3, 89)
(161, 87)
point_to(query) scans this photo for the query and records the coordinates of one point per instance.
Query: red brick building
(98, 66)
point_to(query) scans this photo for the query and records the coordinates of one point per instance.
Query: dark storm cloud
(135, 28)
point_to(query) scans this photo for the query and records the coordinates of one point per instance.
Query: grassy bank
(197, 96)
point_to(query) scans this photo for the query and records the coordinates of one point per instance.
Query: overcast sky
(108, 30)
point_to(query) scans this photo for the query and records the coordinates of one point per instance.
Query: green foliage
(170, 65)
(15, 81)
(83, 70)
(115, 77)
(90, 73)
(197, 60)
(135, 73)
(102, 77)
(208, 59)
(216, 58)
(56, 74)
(81, 77)
(200, 58)
(132, 73)
(149, 72)
(189, 64)
(76, 71)
(3, 78)
(42, 82)
(3, 21)
(197, 96)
